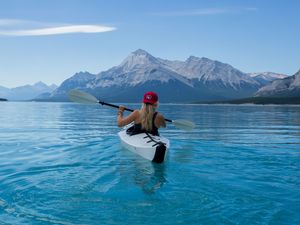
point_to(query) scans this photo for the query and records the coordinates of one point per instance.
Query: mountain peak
(83, 75)
(140, 52)
(195, 59)
(192, 58)
(138, 58)
(40, 84)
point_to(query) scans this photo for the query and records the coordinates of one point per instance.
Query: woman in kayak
(145, 119)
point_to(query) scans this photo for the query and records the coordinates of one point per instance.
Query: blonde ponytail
(147, 112)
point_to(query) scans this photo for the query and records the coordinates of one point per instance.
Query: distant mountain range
(175, 81)
(267, 77)
(286, 87)
(192, 80)
(26, 92)
(280, 91)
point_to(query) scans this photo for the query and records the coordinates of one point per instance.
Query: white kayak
(153, 148)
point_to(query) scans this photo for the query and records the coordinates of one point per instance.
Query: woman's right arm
(160, 121)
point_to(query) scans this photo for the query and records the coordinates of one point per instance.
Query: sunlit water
(62, 163)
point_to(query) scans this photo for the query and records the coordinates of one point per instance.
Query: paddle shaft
(126, 109)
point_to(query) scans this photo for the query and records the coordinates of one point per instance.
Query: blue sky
(50, 40)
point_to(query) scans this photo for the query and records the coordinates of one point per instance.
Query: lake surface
(62, 163)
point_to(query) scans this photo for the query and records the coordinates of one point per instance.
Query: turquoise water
(62, 163)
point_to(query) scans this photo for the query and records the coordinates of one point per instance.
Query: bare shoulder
(160, 120)
(160, 116)
(136, 112)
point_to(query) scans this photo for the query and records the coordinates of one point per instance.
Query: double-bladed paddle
(85, 98)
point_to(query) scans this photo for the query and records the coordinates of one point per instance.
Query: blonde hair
(147, 112)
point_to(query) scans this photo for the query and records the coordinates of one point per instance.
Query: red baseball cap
(150, 97)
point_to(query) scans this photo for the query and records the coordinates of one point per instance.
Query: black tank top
(137, 128)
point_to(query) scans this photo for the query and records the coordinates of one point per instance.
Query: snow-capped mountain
(26, 92)
(267, 77)
(137, 60)
(138, 68)
(208, 72)
(79, 80)
(199, 78)
(286, 87)
(140, 71)
(175, 81)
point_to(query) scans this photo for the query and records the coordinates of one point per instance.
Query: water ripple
(62, 163)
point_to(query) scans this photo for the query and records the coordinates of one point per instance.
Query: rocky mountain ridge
(194, 79)
(286, 87)
(175, 81)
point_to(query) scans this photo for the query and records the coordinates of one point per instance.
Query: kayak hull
(153, 148)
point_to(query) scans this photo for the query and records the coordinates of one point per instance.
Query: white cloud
(11, 27)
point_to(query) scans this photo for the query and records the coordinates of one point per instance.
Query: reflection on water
(149, 176)
(62, 163)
